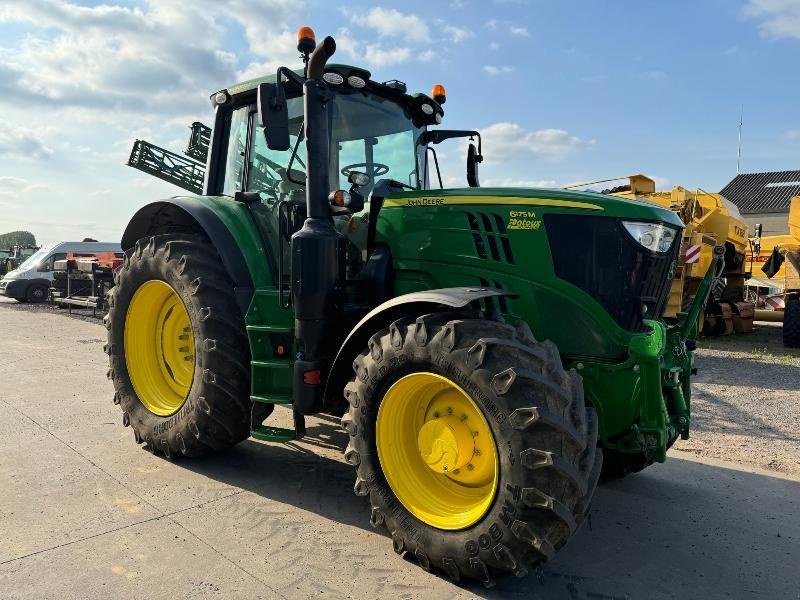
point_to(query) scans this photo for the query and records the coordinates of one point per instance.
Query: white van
(30, 282)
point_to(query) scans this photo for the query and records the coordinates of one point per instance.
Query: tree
(21, 238)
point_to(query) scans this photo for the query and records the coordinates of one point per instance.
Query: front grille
(490, 236)
(597, 255)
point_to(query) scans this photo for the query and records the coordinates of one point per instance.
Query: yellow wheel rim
(159, 347)
(437, 451)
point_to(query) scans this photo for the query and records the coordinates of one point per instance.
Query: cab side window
(268, 171)
(237, 144)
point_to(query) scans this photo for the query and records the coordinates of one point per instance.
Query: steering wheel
(378, 169)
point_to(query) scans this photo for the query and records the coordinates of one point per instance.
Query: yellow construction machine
(711, 221)
(778, 258)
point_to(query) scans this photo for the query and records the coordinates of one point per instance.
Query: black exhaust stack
(318, 250)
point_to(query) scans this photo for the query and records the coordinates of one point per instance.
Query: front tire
(36, 293)
(544, 444)
(178, 354)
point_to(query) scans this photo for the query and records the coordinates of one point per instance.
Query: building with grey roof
(764, 198)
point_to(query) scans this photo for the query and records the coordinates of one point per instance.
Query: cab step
(273, 399)
(273, 434)
(270, 328)
(281, 434)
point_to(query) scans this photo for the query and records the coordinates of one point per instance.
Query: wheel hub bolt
(470, 467)
(463, 417)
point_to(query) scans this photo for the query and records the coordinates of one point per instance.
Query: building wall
(772, 223)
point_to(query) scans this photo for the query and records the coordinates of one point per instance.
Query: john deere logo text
(425, 202)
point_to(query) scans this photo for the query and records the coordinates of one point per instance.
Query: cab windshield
(372, 135)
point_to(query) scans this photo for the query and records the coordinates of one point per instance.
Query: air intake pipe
(318, 250)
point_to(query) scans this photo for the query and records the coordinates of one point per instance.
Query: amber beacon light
(306, 40)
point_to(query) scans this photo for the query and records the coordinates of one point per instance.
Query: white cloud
(9, 181)
(13, 187)
(494, 46)
(506, 140)
(282, 51)
(391, 22)
(157, 60)
(778, 18)
(512, 182)
(497, 70)
(426, 55)
(521, 31)
(457, 34)
(17, 142)
(491, 24)
(793, 135)
(377, 55)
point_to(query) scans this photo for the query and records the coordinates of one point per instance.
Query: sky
(562, 91)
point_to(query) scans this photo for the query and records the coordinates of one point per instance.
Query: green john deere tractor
(486, 348)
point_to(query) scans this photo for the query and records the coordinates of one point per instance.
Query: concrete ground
(85, 512)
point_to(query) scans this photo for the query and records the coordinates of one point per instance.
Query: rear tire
(791, 324)
(545, 437)
(215, 412)
(36, 293)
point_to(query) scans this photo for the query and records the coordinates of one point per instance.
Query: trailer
(84, 281)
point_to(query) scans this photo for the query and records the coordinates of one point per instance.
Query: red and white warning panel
(692, 254)
(774, 303)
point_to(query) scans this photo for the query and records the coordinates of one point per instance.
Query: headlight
(654, 237)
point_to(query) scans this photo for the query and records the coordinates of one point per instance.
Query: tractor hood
(595, 265)
(590, 202)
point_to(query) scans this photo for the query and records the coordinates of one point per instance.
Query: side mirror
(274, 115)
(43, 267)
(473, 158)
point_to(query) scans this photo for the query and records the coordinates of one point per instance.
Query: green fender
(226, 223)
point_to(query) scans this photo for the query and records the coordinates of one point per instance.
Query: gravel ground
(82, 314)
(746, 401)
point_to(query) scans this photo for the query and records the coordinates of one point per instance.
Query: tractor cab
(375, 138)
(376, 142)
